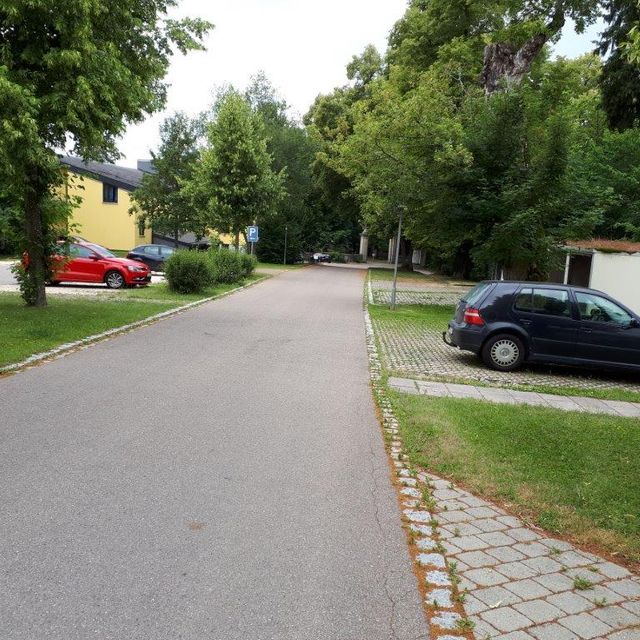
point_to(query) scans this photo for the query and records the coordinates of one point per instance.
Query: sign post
(253, 235)
(394, 287)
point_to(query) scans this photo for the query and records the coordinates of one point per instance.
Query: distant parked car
(88, 262)
(509, 323)
(321, 257)
(153, 255)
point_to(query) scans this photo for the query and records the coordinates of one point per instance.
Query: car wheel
(504, 352)
(114, 280)
(53, 283)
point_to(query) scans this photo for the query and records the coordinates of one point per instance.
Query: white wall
(618, 274)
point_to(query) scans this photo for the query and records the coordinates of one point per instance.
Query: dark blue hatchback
(509, 323)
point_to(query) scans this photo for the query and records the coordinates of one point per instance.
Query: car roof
(547, 285)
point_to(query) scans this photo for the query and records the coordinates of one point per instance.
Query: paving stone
(600, 593)
(560, 545)
(408, 482)
(455, 516)
(531, 549)
(477, 559)
(613, 570)
(506, 554)
(450, 548)
(515, 635)
(552, 631)
(627, 634)
(472, 501)
(451, 505)
(585, 626)
(463, 529)
(410, 491)
(469, 543)
(543, 564)
(432, 560)
(496, 539)
(583, 572)
(570, 602)
(510, 521)
(528, 589)
(418, 516)
(483, 629)
(490, 524)
(524, 535)
(506, 619)
(421, 529)
(485, 577)
(438, 578)
(517, 570)
(629, 587)
(573, 559)
(441, 598)
(633, 606)
(446, 494)
(556, 582)
(483, 512)
(496, 596)
(426, 544)
(446, 620)
(616, 617)
(538, 611)
(593, 405)
(472, 605)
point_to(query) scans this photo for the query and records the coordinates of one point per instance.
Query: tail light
(472, 316)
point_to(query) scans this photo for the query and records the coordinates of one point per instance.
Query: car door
(85, 265)
(549, 318)
(609, 333)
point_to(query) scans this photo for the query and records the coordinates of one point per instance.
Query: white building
(612, 266)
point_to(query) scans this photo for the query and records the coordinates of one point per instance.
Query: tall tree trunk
(505, 65)
(36, 270)
(176, 237)
(237, 241)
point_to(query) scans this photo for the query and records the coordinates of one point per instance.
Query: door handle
(526, 322)
(587, 330)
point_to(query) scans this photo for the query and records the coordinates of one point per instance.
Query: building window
(109, 193)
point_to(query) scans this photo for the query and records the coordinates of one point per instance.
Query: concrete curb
(99, 337)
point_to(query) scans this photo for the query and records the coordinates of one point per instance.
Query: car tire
(503, 352)
(114, 280)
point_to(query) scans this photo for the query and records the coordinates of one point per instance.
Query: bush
(248, 264)
(188, 272)
(226, 266)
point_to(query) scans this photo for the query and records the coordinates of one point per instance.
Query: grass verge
(414, 276)
(575, 475)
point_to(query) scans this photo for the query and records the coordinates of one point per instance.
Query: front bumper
(142, 279)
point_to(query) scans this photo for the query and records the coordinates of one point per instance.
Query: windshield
(101, 251)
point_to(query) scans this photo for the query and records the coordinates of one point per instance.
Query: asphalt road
(218, 475)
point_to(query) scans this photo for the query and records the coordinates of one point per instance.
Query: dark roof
(146, 166)
(123, 177)
(608, 246)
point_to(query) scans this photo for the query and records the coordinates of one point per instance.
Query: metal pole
(395, 269)
(286, 231)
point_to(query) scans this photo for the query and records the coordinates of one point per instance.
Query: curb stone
(443, 602)
(64, 349)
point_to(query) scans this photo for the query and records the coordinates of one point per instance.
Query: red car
(88, 262)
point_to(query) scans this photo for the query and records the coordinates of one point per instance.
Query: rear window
(477, 293)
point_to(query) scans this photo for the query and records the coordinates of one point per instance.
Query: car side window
(166, 251)
(598, 309)
(76, 251)
(547, 302)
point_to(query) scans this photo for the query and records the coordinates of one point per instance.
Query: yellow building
(103, 215)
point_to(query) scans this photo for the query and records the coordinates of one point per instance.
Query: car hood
(125, 262)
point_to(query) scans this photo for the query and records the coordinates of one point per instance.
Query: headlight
(136, 269)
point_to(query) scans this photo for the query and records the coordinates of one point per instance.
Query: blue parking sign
(253, 234)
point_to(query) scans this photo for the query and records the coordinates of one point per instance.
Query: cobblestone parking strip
(506, 396)
(488, 575)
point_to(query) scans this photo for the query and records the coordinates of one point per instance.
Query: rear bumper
(464, 337)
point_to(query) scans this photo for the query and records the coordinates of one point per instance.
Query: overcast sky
(303, 46)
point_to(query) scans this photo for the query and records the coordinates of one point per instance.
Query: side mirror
(634, 324)
(96, 257)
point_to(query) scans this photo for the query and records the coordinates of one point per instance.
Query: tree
(76, 72)
(162, 200)
(234, 182)
(620, 80)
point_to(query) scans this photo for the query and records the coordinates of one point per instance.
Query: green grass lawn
(431, 316)
(25, 331)
(573, 474)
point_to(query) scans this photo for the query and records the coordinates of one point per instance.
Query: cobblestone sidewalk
(506, 396)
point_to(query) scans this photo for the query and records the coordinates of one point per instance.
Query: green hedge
(188, 272)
